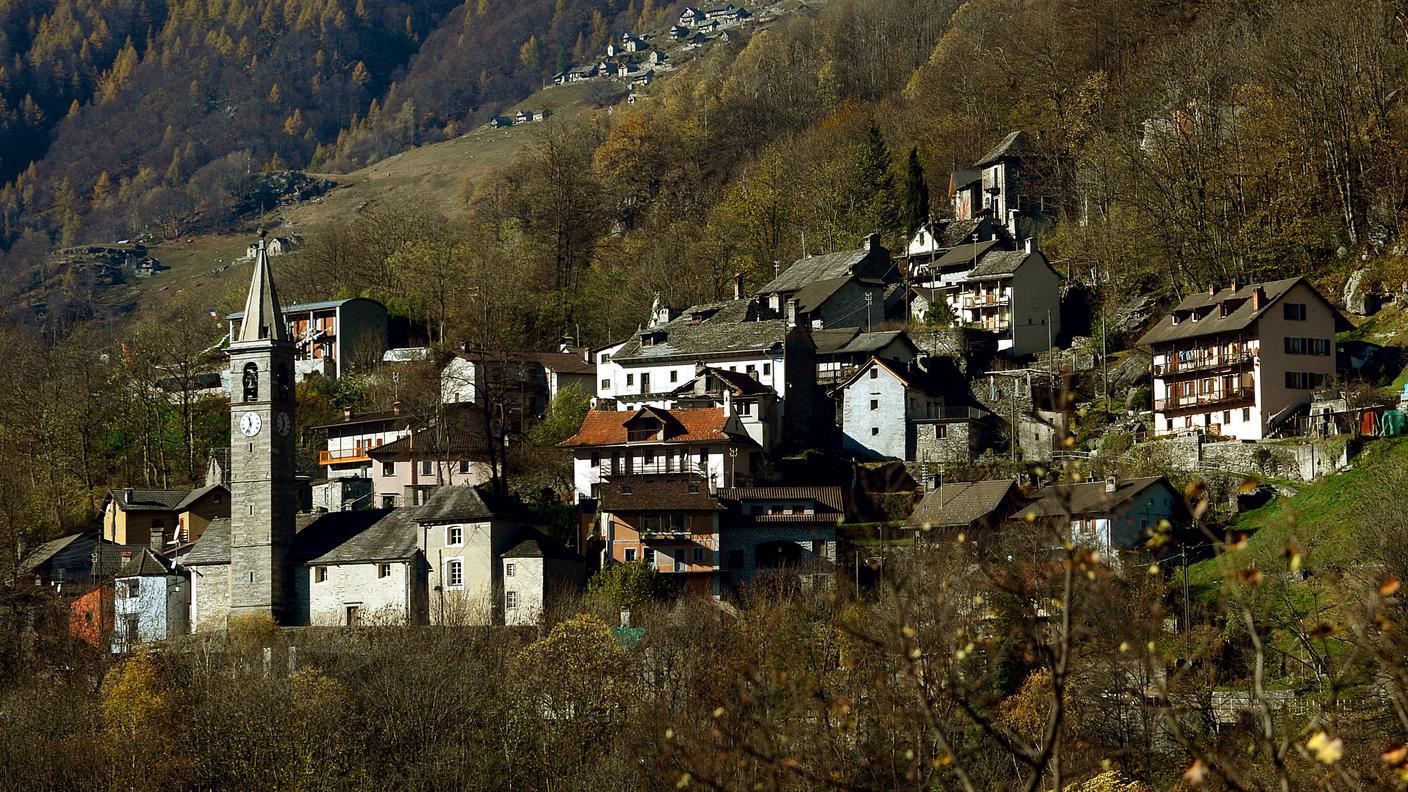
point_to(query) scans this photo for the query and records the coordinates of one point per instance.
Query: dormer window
(645, 428)
(651, 339)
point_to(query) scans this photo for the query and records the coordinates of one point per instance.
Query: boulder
(1360, 298)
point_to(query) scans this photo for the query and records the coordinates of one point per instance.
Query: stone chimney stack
(1212, 290)
(1258, 298)
(396, 407)
(791, 313)
(346, 413)
(737, 285)
(1235, 285)
(1112, 483)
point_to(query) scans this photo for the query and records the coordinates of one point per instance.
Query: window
(874, 431)
(383, 570)
(388, 501)
(510, 599)
(454, 535)
(767, 369)
(647, 457)
(454, 573)
(1295, 346)
(680, 562)
(1300, 380)
(1246, 413)
(650, 557)
(596, 459)
(698, 555)
(630, 379)
(1294, 312)
(1227, 416)
(388, 469)
(940, 431)
(874, 373)
(630, 554)
(645, 382)
(320, 574)
(425, 467)
(354, 614)
(464, 466)
(1319, 346)
(606, 383)
(674, 376)
(509, 570)
(744, 408)
(874, 404)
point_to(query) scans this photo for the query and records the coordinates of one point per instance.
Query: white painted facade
(712, 460)
(371, 593)
(149, 608)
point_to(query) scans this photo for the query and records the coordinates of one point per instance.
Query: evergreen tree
(916, 194)
(873, 201)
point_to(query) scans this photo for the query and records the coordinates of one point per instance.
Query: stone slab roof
(1014, 145)
(1090, 498)
(727, 328)
(390, 538)
(959, 504)
(145, 564)
(1241, 313)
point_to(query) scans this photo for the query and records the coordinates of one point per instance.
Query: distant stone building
(331, 336)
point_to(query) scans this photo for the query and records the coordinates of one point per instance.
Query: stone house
(843, 289)
(162, 519)
(884, 404)
(1007, 191)
(1014, 294)
(707, 441)
(791, 528)
(842, 350)
(538, 572)
(151, 602)
(1239, 361)
(1110, 516)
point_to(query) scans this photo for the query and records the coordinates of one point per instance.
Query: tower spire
(263, 318)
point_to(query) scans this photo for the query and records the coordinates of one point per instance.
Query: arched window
(251, 382)
(454, 573)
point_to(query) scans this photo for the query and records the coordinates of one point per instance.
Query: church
(464, 557)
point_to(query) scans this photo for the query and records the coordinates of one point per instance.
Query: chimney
(872, 241)
(1212, 290)
(728, 403)
(1112, 483)
(396, 407)
(127, 495)
(1235, 285)
(346, 413)
(625, 617)
(791, 313)
(1258, 298)
(1028, 244)
(737, 285)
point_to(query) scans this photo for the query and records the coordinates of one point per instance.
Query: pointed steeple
(263, 318)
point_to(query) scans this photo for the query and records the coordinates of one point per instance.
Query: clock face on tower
(283, 424)
(250, 424)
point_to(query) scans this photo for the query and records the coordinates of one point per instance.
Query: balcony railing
(962, 412)
(1203, 363)
(992, 301)
(1206, 401)
(343, 457)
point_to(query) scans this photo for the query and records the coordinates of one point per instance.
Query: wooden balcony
(1175, 367)
(343, 457)
(1206, 402)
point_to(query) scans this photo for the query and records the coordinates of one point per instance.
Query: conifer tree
(916, 194)
(873, 201)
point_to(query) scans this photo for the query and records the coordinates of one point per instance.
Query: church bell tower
(262, 489)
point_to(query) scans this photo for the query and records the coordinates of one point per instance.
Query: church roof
(315, 534)
(263, 319)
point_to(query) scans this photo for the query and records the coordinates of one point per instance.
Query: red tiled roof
(608, 427)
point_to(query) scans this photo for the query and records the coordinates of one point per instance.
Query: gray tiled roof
(460, 503)
(964, 255)
(47, 551)
(391, 538)
(145, 564)
(815, 268)
(1089, 498)
(148, 499)
(721, 328)
(316, 534)
(1014, 145)
(962, 503)
(1212, 322)
(532, 543)
(999, 263)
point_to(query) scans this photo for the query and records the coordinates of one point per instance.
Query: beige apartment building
(1236, 362)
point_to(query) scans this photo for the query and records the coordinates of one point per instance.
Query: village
(949, 388)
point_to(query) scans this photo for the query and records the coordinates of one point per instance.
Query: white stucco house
(151, 602)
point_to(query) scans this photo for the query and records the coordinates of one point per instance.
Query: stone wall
(1304, 461)
(961, 442)
(818, 547)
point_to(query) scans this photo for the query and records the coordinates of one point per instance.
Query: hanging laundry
(1368, 423)
(1392, 423)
